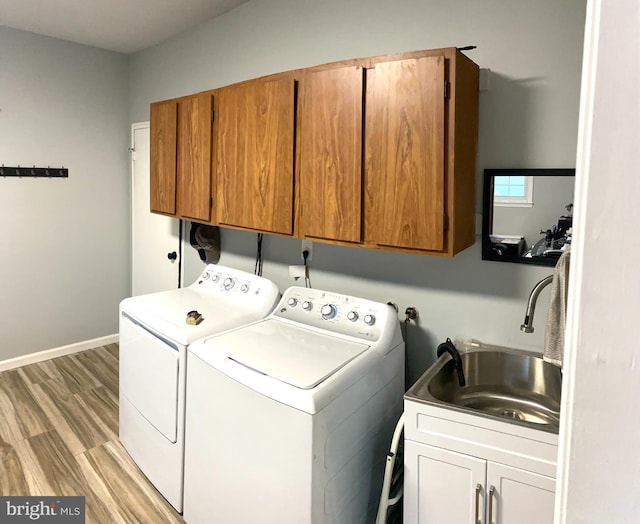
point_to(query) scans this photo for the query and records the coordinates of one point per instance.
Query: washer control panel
(335, 312)
(217, 280)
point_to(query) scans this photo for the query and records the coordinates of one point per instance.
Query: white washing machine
(289, 419)
(154, 336)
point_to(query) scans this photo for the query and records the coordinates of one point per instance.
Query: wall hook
(19, 171)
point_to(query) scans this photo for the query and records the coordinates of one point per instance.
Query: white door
(518, 496)
(442, 486)
(149, 370)
(155, 238)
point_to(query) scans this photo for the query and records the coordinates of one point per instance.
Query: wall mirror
(527, 214)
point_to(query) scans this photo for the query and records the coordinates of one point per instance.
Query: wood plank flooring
(59, 436)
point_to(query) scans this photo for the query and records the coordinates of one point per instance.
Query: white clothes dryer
(289, 419)
(155, 332)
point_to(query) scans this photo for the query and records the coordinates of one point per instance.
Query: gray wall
(528, 118)
(64, 250)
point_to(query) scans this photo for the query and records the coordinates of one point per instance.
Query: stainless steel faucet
(527, 327)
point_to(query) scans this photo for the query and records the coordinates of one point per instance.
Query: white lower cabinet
(518, 497)
(439, 485)
(465, 469)
(446, 487)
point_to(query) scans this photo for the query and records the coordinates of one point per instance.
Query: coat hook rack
(34, 172)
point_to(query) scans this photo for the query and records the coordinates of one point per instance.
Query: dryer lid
(166, 312)
(297, 356)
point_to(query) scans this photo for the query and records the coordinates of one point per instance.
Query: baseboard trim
(48, 354)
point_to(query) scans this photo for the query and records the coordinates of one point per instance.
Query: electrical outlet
(307, 245)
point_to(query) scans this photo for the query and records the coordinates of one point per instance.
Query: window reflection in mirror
(527, 214)
(513, 191)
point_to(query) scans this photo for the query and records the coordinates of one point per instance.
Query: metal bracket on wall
(44, 172)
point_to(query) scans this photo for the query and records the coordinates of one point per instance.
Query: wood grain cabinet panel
(163, 148)
(404, 154)
(377, 152)
(180, 167)
(194, 157)
(330, 174)
(254, 137)
(387, 151)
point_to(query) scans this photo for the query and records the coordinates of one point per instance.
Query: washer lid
(290, 354)
(166, 313)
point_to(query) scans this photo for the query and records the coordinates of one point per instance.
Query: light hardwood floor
(59, 436)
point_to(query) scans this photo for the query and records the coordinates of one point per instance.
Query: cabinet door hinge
(445, 223)
(447, 88)
(212, 115)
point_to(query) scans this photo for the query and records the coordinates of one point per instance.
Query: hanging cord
(258, 267)
(307, 280)
(410, 314)
(181, 224)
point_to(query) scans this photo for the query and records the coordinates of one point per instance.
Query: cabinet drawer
(501, 442)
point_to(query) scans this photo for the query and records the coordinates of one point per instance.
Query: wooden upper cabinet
(254, 144)
(378, 152)
(330, 172)
(404, 150)
(180, 170)
(163, 148)
(194, 157)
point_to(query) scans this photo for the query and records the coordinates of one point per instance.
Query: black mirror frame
(487, 213)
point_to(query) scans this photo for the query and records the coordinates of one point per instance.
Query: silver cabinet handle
(478, 490)
(492, 491)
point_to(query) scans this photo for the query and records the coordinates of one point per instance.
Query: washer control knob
(292, 302)
(307, 306)
(329, 311)
(352, 316)
(369, 320)
(215, 277)
(228, 283)
(205, 275)
(244, 288)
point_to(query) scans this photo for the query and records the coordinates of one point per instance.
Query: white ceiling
(125, 26)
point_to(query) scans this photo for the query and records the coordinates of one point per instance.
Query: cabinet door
(404, 154)
(331, 154)
(254, 128)
(163, 148)
(442, 487)
(194, 157)
(519, 497)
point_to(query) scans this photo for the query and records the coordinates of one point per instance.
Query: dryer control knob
(369, 320)
(352, 316)
(292, 302)
(329, 311)
(307, 306)
(205, 275)
(228, 283)
(244, 288)
(215, 277)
